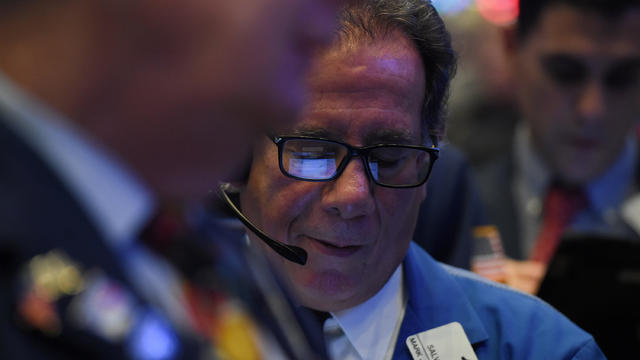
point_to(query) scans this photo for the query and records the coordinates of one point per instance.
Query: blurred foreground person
(108, 110)
(341, 190)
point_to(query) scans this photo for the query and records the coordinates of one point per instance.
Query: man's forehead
(593, 43)
(567, 28)
(390, 61)
(369, 113)
(366, 92)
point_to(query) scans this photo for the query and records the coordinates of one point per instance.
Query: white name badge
(446, 342)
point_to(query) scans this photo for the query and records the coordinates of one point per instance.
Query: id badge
(446, 342)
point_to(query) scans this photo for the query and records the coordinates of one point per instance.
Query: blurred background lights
(499, 12)
(153, 339)
(450, 7)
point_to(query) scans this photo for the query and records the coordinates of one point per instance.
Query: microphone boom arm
(292, 253)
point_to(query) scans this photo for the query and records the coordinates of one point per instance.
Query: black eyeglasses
(390, 165)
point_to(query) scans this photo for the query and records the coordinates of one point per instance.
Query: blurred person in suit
(574, 164)
(109, 109)
(343, 187)
(573, 173)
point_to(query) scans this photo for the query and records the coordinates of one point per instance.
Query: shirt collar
(116, 202)
(535, 175)
(370, 326)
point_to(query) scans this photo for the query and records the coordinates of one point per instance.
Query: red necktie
(560, 207)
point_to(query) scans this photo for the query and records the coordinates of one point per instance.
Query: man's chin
(580, 168)
(322, 302)
(578, 175)
(327, 291)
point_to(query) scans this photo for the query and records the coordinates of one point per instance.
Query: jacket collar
(434, 299)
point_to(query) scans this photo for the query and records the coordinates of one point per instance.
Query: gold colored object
(47, 278)
(54, 275)
(235, 334)
(488, 258)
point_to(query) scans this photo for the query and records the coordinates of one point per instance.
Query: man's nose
(591, 103)
(351, 194)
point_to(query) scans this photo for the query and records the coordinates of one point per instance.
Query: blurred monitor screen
(595, 281)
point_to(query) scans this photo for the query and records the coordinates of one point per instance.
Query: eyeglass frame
(356, 151)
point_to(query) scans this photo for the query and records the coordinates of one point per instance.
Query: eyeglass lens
(320, 160)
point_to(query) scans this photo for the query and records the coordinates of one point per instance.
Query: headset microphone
(292, 253)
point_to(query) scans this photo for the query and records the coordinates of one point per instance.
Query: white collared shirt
(369, 330)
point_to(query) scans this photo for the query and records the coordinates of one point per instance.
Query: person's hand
(524, 275)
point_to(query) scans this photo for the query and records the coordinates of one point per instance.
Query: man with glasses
(344, 186)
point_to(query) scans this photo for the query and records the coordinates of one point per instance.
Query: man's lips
(331, 248)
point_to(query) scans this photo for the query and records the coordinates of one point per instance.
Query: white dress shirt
(368, 331)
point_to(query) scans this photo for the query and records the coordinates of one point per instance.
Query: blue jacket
(500, 323)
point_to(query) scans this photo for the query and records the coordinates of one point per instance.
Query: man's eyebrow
(378, 136)
(391, 136)
(313, 132)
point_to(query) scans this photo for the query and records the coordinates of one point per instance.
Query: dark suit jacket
(495, 184)
(38, 214)
(579, 283)
(450, 211)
